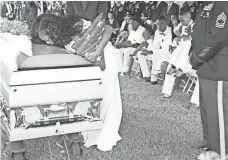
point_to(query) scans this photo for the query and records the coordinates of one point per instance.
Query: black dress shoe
(204, 148)
(147, 79)
(154, 83)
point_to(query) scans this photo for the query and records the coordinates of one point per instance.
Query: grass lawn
(152, 128)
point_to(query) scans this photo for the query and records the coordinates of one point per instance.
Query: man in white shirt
(144, 53)
(179, 61)
(128, 47)
(160, 47)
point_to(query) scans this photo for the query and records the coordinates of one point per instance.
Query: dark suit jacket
(94, 8)
(174, 9)
(159, 10)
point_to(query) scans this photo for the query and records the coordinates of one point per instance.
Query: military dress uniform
(138, 9)
(148, 11)
(210, 58)
(153, 5)
(118, 12)
(193, 10)
(126, 8)
(132, 9)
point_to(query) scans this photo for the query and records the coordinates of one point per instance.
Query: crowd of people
(162, 37)
(27, 11)
(157, 35)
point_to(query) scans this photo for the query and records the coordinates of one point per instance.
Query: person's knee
(164, 67)
(128, 52)
(139, 53)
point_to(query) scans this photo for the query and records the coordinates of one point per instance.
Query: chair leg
(193, 81)
(185, 87)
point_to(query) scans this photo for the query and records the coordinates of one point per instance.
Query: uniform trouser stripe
(221, 119)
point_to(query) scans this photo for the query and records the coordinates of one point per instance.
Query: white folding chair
(192, 78)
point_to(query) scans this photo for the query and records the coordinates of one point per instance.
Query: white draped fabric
(111, 107)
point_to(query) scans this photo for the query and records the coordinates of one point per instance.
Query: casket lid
(51, 75)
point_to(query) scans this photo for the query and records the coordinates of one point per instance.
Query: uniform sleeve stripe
(223, 17)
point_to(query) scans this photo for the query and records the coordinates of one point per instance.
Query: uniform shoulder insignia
(221, 20)
(208, 7)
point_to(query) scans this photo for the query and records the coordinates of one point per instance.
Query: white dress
(111, 106)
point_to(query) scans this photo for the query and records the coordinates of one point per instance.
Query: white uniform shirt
(183, 31)
(162, 40)
(136, 36)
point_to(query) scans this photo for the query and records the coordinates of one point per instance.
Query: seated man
(144, 53)
(160, 48)
(180, 59)
(128, 47)
(179, 62)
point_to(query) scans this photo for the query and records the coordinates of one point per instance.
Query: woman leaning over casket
(111, 108)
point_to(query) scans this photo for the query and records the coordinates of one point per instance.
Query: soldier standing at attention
(210, 58)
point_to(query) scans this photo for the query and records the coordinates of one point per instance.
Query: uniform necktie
(84, 5)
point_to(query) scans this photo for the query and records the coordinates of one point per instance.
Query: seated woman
(124, 31)
(114, 23)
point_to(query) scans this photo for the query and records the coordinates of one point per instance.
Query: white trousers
(180, 57)
(124, 58)
(143, 63)
(168, 83)
(111, 106)
(159, 56)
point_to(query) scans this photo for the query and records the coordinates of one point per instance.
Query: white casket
(48, 102)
